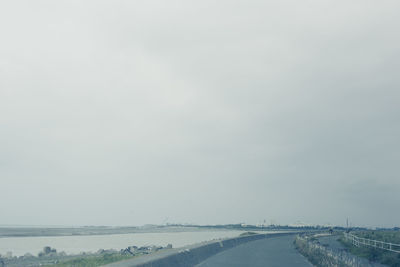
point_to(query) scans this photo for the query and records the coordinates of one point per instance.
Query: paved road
(271, 252)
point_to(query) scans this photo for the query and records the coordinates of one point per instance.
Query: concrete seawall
(190, 255)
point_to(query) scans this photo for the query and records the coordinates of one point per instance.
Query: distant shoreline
(10, 232)
(37, 231)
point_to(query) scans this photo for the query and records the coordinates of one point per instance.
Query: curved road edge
(193, 254)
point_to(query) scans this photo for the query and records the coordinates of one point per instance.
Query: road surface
(270, 252)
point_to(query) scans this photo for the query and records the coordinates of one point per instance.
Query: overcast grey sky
(135, 112)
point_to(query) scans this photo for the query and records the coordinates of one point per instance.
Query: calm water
(76, 244)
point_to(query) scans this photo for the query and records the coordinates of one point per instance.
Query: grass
(373, 254)
(92, 261)
(385, 236)
(317, 256)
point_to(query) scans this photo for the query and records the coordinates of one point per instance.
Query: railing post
(357, 241)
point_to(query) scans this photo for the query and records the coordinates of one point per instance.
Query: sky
(205, 112)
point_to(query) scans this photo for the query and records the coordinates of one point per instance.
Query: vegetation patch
(375, 254)
(316, 254)
(324, 256)
(92, 261)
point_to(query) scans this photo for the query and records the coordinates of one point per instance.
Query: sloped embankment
(190, 255)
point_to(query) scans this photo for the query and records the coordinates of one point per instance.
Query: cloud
(257, 110)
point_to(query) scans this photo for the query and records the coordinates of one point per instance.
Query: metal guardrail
(357, 241)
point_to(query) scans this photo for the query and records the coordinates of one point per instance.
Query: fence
(321, 255)
(357, 241)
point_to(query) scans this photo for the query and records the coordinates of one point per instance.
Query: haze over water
(19, 246)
